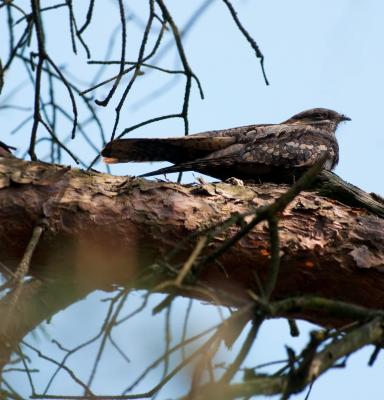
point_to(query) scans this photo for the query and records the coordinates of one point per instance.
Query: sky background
(317, 54)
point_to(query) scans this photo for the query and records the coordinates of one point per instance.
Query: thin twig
(137, 70)
(250, 39)
(122, 57)
(247, 345)
(275, 256)
(39, 68)
(23, 268)
(190, 261)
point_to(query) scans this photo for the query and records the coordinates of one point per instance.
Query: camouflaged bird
(267, 152)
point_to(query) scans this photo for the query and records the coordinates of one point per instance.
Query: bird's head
(319, 117)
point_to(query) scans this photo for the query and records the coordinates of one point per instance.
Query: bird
(264, 152)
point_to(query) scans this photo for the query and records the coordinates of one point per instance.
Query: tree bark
(104, 230)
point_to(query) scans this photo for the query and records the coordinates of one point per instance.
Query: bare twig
(192, 258)
(137, 70)
(23, 268)
(275, 257)
(249, 38)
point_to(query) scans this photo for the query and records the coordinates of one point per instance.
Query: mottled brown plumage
(269, 152)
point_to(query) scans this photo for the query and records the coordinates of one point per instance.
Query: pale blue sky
(317, 54)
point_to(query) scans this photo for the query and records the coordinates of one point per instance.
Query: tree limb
(104, 230)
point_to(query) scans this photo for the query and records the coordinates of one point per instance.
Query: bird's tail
(137, 150)
(176, 150)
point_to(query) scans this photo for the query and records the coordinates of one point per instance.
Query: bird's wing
(174, 150)
(195, 165)
(297, 149)
(223, 158)
(237, 132)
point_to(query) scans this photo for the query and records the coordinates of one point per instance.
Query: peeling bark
(105, 230)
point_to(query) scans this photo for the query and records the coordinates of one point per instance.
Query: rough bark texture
(105, 230)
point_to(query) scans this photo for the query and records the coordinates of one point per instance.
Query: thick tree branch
(103, 230)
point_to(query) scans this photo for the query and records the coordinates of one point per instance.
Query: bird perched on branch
(266, 152)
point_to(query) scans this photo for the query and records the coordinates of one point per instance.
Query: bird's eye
(318, 116)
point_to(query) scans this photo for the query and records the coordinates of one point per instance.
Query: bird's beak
(345, 118)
